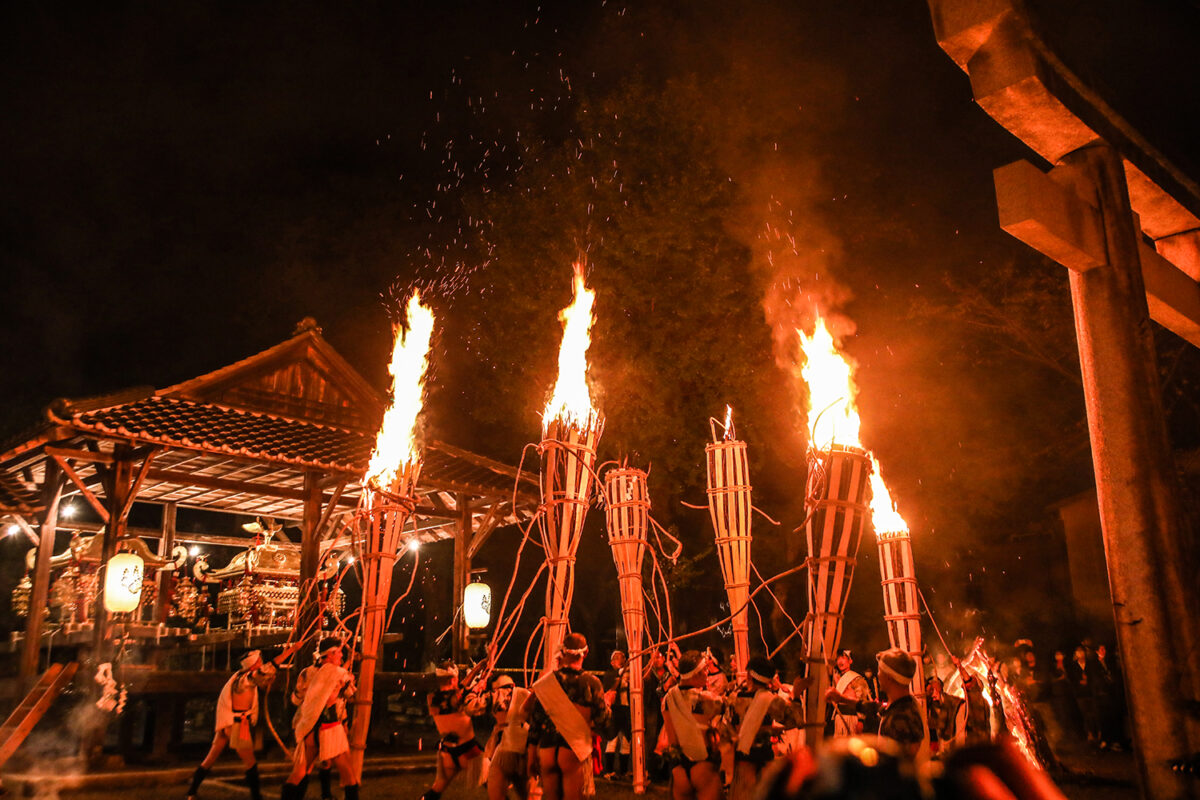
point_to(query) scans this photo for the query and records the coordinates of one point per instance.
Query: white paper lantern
(477, 605)
(123, 583)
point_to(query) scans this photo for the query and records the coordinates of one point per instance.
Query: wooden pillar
(118, 485)
(462, 575)
(31, 648)
(310, 555)
(1142, 521)
(166, 580)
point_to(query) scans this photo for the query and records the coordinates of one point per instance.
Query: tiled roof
(15, 497)
(185, 423)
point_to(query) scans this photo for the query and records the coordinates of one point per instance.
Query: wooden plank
(165, 580)
(39, 594)
(92, 500)
(462, 573)
(86, 456)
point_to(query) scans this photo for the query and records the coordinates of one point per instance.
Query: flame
(832, 415)
(728, 422)
(396, 445)
(884, 516)
(572, 401)
(1016, 716)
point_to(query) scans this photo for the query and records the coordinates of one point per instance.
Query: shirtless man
(752, 717)
(690, 712)
(566, 707)
(237, 713)
(453, 708)
(320, 724)
(508, 748)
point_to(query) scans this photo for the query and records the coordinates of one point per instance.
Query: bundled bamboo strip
(900, 610)
(383, 540)
(568, 458)
(628, 518)
(730, 508)
(837, 496)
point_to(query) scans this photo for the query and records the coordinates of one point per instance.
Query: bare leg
(571, 774)
(246, 754)
(552, 788)
(497, 782)
(303, 766)
(707, 780)
(681, 784)
(447, 769)
(220, 742)
(345, 770)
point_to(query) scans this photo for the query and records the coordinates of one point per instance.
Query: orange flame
(832, 414)
(572, 400)
(1016, 716)
(834, 419)
(396, 445)
(885, 519)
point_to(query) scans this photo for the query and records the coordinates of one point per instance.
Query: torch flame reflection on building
(389, 496)
(571, 429)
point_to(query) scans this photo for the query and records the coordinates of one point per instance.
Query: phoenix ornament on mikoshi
(729, 505)
(571, 428)
(388, 499)
(628, 519)
(838, 480)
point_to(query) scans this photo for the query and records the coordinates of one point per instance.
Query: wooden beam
(487, 525)
(165, 581)
(137, 483)
(20, 521)
(52, 486)
(330, 506)
(92, 500)
(310, 552)
(119, 487)
(224, 484)
(1172, 296)
(462, 574)
(86, 456)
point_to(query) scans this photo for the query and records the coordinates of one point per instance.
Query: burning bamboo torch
(628, 518)
(898, 578)
(838, 478)
(730, 508)
(388, 499)
(571, 429)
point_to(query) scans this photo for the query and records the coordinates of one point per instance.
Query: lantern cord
(411, 580)
(539, 630)
(510, 626)
(780, 606)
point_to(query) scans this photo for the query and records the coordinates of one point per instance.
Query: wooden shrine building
(283, 435)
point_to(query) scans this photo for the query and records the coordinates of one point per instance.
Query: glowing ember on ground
(396, 444)
(832, 414)
(572, 401)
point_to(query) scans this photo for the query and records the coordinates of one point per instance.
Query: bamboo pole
(901, 611)
(837, 495)
(628, 518)
(388, 514)
(568, 458)
(730, 508)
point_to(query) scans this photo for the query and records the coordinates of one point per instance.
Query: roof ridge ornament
(306, 325)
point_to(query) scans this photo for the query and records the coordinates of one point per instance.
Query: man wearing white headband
(566, 708)
(901, 719)
(237, 713)
(453, 708)
(508, 748)
(690, 718)
(752, 718)
(320, 724)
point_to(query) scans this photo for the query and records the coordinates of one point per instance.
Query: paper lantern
(123, 583)
(477, 605)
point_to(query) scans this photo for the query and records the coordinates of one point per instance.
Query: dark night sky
(180, 184)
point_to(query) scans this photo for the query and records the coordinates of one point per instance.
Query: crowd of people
(709, 731)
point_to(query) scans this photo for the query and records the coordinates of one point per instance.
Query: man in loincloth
(753, 717)
(453, 708)
(508, 748)
(320, 724)
(303, 681)
(565, 710)
(900, 719)
(690, 715)
(237, 713)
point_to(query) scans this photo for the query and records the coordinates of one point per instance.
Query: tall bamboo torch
(388, 499)
(838, 479)
(898, 578)
(571, 429)
(730, 507)
(628, 518)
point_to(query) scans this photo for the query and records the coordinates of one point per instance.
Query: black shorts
(760, 755)
(469, 748)
(675, 758)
